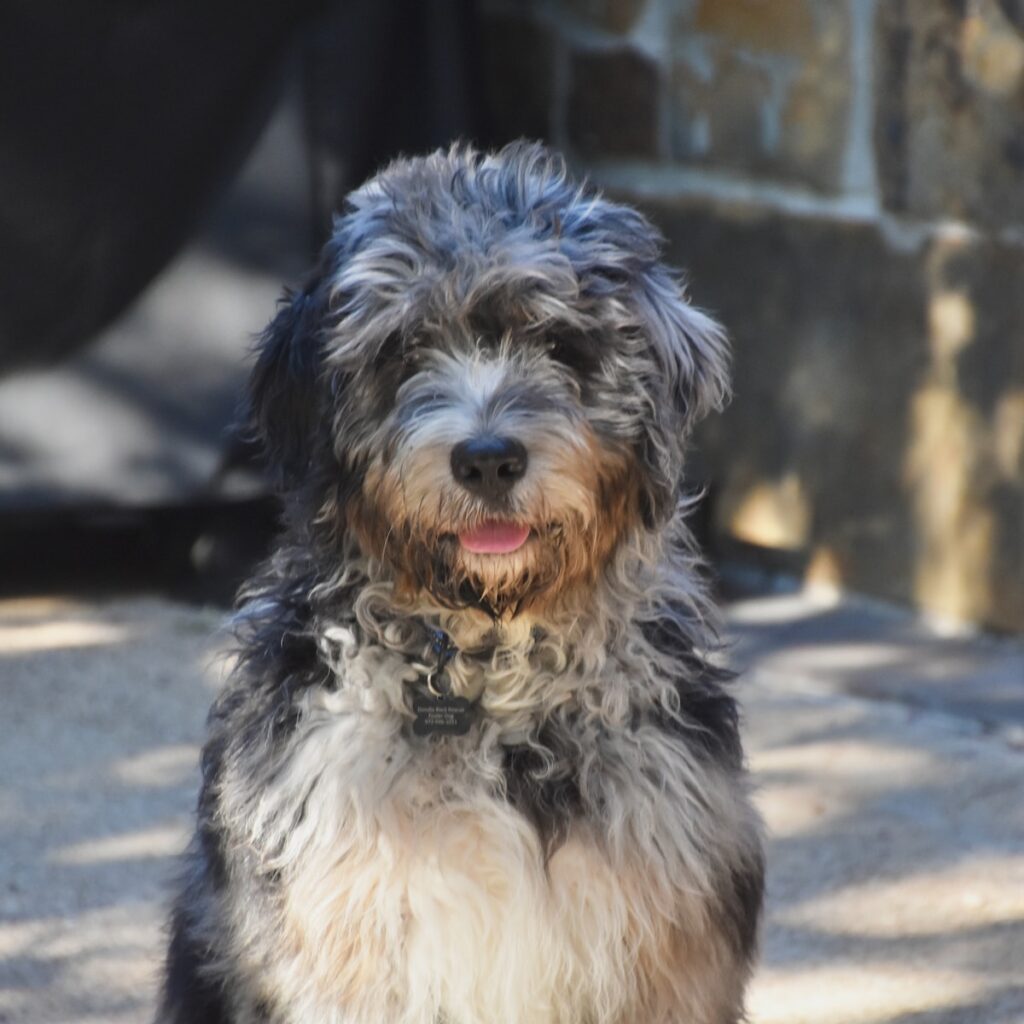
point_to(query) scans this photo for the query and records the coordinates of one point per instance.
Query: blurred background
(840, 179)
(842, 182)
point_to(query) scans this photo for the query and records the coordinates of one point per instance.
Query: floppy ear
(284, 391)
(691, 348)
(691, 360)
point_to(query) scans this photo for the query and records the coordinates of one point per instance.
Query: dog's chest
(421, 894)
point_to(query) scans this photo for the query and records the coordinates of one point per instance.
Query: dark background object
(383, 79)
(122, 129)
(165, 169)
(122, 121)
(199, 552)
(119, 122)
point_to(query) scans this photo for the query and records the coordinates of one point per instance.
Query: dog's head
(489, 382)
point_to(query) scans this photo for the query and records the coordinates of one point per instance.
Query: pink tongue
(494, 538)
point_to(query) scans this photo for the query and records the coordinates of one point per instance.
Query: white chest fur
(413, 893)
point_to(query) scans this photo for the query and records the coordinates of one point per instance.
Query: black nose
(489, 466)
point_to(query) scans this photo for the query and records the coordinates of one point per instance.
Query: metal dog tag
(441, 716)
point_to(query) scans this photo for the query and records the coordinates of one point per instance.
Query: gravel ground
(889, 763)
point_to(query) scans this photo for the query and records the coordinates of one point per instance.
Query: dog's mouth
(495, 564)
(494, 537)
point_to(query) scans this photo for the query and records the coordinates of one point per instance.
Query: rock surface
(613, 104)
(841, 181)
(763, 89)
(948, 117)
(878, 421)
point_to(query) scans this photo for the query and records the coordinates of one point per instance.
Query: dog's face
(489, 383)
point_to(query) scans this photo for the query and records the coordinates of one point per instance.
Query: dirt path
(896, 821)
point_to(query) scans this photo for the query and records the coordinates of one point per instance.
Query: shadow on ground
(896, 883)
(103, 708)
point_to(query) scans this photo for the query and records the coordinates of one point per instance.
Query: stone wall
(842, 180)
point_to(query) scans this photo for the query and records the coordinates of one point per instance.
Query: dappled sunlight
(805, 787)
(1008, 440)
(777, 609)
(894, 892)
(951, 324)
(99, 965)
(955, 450)
(895, 862)
(993, 52)
(122, 929)
(816, 641)
(824, 569)
(850, 994)
(774, 514)
(39, 608)
(164, 766)
(977, 892)
(873, 764)
(160, 841)
(953, 520)
(31, 637)
(99, 764)
(801, 723)
(791, 809)
(840, 657)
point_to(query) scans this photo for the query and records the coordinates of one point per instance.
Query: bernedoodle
(475, 763)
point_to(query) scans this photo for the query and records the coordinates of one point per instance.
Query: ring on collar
(438, 712)
(444, 650)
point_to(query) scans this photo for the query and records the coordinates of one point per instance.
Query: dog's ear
(691, 363)
(284, 389)
(691, 349)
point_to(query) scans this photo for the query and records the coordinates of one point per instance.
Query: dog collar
(444, 650)
(438, 711)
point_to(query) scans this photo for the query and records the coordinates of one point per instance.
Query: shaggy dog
(473, 765)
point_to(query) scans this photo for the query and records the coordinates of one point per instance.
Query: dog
(476, 762)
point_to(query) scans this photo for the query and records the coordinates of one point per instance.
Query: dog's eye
(574, 351)
(397, 358)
